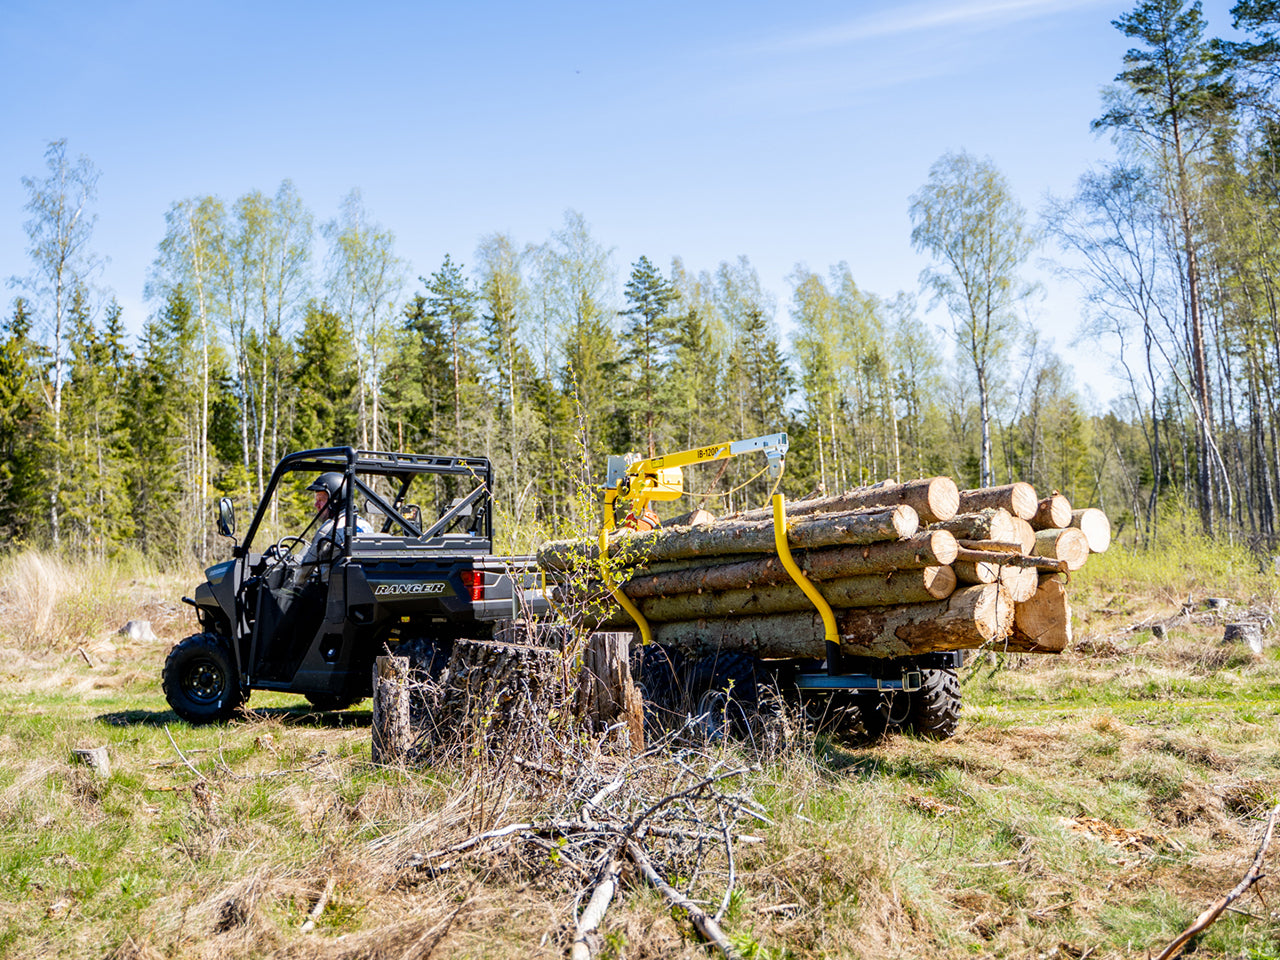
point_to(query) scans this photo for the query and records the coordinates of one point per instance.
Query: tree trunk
(1095, 526)
(727, 537)
(1070, 545)
(1043, 623)
(1018, 498)
(930, 548)
(1021, 583)
(933, 499)
(994, 523)
(901, 587)
(1053, 511)
(969, 619)
(980, 571)
(1026, 534)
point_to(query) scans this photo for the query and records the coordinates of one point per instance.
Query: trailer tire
(723, 695)
(655, 670)
(934, 712)
(200, 680)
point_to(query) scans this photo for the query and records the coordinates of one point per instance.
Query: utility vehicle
(305, 606)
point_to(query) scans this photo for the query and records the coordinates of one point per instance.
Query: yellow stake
(646, 636)
(789, 564)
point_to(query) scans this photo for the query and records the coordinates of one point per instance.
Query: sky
(788, 133)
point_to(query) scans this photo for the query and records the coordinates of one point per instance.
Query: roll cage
(402, 529)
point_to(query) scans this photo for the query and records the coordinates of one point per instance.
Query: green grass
(975, 847)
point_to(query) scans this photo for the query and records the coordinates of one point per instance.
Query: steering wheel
(282, 548)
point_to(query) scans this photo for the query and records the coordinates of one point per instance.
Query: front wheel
(200, 680)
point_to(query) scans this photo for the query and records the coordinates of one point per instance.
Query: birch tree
(966, 218)
(58, 232)
(364, 278)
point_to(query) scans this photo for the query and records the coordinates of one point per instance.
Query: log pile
(907, 568)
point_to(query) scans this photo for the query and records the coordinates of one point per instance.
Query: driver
(330, 507)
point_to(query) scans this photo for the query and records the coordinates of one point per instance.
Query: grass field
(1091, 805)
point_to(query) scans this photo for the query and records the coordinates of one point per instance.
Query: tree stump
(606, 693)
(391, 732)
(496, 687)
(1250, 634)
(95, 758)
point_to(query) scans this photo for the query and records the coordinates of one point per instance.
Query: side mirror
(226, 518)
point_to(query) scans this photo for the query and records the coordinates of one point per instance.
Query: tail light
(473, 580)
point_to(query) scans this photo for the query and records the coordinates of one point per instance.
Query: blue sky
(791, 133)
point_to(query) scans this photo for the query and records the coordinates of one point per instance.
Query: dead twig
(589, 920)
(318, 909)
(183, 756)
(705, 925)
(1207, 918)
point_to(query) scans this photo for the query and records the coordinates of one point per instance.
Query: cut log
(1020, 582)
(933, 499)
(981, 571)
(901, 587)
(991, 546)
(1070, 545)
(727, 537)
(1053, 511)
(995, 523)
(1039, 564)
(969, 619)
(1018, 498)
(1026, 534)
(930, 548)
(1093, 523)
(1043, 623)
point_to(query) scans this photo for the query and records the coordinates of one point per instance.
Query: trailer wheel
(934, 712)
(200, 680)
(655, 670)
(723, 696)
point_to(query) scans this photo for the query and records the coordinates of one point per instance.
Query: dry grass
(1090, 805)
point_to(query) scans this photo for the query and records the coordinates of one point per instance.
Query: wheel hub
(204, 681)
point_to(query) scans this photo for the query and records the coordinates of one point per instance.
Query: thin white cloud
(924, 17)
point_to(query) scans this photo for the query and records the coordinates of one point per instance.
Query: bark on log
(1093, 523)
(727, 537)
(1043, 623)
(1018, 498)
(1019, 560)
(976, 571)
(1070, 545)
(1053, 511)
(902, 586)
(969, 619)
(1026, 534)
(933, 499)
(995, 523)
(930, 548)
(391, 731)
(991, 546)
(1021, 583)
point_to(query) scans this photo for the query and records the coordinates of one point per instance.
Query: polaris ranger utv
(307, 612)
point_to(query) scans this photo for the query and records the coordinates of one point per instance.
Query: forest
(271, 332)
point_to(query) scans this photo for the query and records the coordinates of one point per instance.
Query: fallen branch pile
(907, 568)
(670, 817)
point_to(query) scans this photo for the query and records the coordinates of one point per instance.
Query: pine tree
(22, 426)
(451, 302)
(647, 336)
